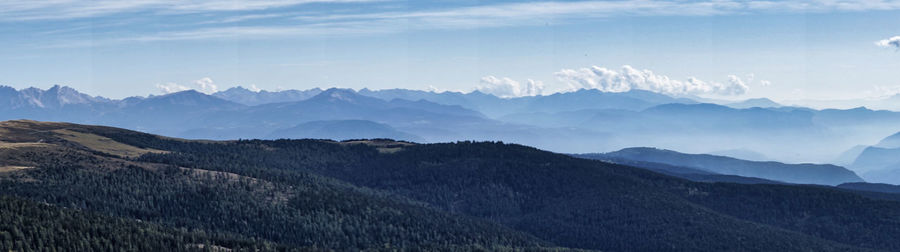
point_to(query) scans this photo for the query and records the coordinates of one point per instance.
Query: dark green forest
(30, 226)
(387, 195)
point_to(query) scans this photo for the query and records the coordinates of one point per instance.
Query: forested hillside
(30, 226)
(383, 194)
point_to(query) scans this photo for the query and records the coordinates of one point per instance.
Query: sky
(723, 49)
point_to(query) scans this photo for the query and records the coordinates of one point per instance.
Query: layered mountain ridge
(704, 164)
(585, 121)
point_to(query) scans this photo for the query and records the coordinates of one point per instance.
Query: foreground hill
(75, 166)
(361, 195)
(791, 173)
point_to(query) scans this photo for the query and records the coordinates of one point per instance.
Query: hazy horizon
(879, 103)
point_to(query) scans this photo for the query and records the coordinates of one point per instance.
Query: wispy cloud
(242, 18)
(225, 18)
(533, 12)
(26, 10)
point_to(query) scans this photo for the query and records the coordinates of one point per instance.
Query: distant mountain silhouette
(847, 157)
(584, 99)
(880, 165)
(342, 104)
(171, 113)
(684, 172)
(754, 103)
(343, 130)
(791, 173)
(876, 158)
(744, 154)
(892, 141)
(881, 162)
(252, 98)
(190, 99)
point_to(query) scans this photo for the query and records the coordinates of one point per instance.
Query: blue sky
(785, 50)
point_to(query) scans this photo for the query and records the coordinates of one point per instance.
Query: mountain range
(584, 121)
(880, 162)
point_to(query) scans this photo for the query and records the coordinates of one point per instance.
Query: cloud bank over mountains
(570, 80)
(629, 78)
(204, 85)
(506, 87)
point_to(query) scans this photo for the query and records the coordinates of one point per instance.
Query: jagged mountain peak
(53, 97)
(249, 97)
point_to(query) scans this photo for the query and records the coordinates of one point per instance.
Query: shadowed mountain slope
(791, 173)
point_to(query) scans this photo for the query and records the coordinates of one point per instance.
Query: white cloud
(890, 42)
(170, 87)
(254, 88)
(206, 85)
(629, 78)
(735, 86)
(203, 85)
(433, 89)
(506, 87)
(750, 78)
(885, 91)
